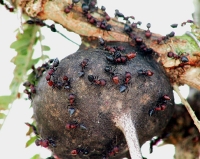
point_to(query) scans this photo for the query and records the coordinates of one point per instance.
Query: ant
(126, 80)
(69, 7)
(71, 125)
(109, 70)
(95, 80)
(42, 142)
(33, 127)
(131, 55)
(145, 72)
(83, 64)
(183, 58)
(147, 32)
(117, 58)
(26, 91)
(71, 99)
(161, 104)
(174, 25)
(66, 83)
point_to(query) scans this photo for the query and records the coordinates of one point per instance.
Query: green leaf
(5, 101)
(45, 48)
(31, 141)
(2, 115)
(37, 156)
(20, 43)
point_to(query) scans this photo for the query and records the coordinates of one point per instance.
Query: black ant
(95, 80)
(174, 25)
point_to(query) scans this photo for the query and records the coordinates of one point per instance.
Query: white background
(160, 13)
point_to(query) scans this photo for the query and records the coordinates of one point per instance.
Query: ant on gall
(145, 72)
(71, 99)
(33, 128)
(126, 80)
(95, 80)
(71, 126)
(109, 70)
(161, 104)
(42, 142)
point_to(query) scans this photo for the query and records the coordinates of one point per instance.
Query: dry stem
(188, 107)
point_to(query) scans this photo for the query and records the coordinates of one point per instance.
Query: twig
(188, 107)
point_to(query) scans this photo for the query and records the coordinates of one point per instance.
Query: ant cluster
(161, 104)
(40, 141)
(87, 10)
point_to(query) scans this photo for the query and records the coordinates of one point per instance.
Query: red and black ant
(83, 64)
(161, 104)
(45, 142)
(26, 91)
(71, 99)
(42, 142)
(66, 82)
(69, 7)
(95, 80)
(114, 76)
(70, 126)
(148, 32)
(145, 72)
(33, 127)
(126, 81)
(183, 57)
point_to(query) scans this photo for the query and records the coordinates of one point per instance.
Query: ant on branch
(182, 57)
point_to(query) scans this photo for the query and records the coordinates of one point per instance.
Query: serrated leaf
(37, 156)
(31, 141)
(45, 48)
(5, 101)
